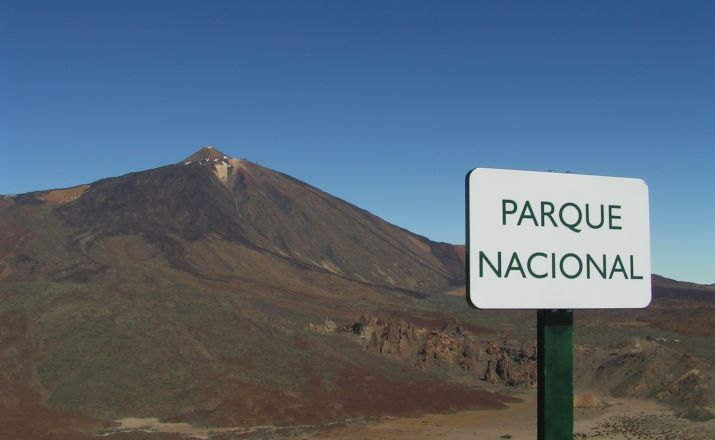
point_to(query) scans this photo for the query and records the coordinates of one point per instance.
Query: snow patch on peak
(208, 152)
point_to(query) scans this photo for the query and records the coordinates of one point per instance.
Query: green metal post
(555, 374)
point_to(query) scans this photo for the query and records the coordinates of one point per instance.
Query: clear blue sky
(385, 104)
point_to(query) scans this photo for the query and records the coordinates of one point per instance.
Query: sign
(556, 241)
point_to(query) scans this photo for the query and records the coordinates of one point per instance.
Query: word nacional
(571, 265)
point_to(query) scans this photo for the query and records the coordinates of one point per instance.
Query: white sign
(556, 241)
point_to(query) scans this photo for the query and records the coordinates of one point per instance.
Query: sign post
(556, 242)
(554, 350)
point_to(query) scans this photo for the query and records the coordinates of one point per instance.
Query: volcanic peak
(207, 153)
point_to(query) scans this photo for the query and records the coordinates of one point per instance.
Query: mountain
(217, 292)
(184, 292)
(242, 203)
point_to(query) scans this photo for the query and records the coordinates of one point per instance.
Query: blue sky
(385, 104)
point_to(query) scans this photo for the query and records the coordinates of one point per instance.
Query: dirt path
(623, 419)
(516, 423)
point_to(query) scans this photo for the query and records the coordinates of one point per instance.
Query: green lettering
(514, 264)
(483, 258)
(601, 270)
(531, 271)
(563, 271)
(553, 265)
(572, 225)
(527, 207)
(618, 267)
(612, 217)
(504, 210)
(588, 217)
(634, 277)
(545, 213)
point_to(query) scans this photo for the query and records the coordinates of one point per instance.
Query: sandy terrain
(518, 422)
(135, 424)
(623, 419)
(64, 195)
(484, 424)
(639, 419)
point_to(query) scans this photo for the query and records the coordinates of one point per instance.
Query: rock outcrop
(511, 363)
(588, 400)
(449, 346)
(385, 336)
(322, 328)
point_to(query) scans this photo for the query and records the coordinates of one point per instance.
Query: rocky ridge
(647, 369)
(498, 361)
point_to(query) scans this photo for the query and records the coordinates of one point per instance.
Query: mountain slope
(248, 204)
(185, 291)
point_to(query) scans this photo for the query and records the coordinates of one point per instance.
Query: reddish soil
(27, 418)
(354, 392)
(23, 414)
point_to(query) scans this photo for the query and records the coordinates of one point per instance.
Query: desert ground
(189, 301)
(620, 419)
